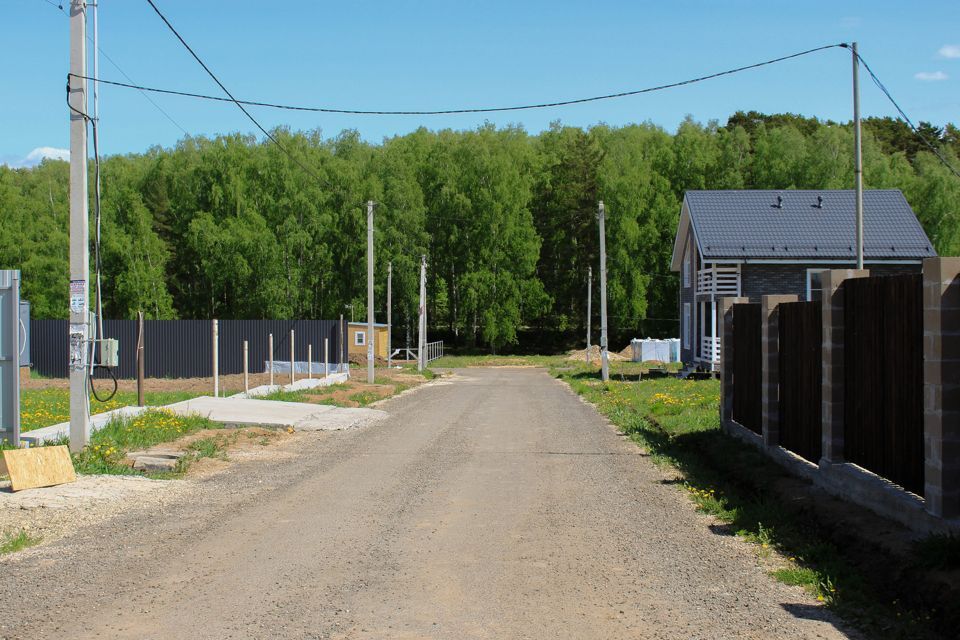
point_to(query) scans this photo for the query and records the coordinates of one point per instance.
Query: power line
(270, 136)
(124, 74)
(905, 117)
(436, 112)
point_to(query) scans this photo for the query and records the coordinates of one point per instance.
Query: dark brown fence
(747, 367)
(183, 348)
(883, 377)
(801, 335)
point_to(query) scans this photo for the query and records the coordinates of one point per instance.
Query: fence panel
(801, 337)
(747, 366)
(183, 348)
(883, 376)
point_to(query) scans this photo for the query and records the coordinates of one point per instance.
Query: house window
(686, 325)
(360, 338)
(815, 284)
(687, 259)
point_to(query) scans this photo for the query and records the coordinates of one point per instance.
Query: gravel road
(494, 504)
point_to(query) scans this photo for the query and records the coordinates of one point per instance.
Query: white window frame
(359, 338)
(686, 325)
(810, 273)
(687, 259)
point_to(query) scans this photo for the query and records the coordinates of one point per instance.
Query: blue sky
(407, 54)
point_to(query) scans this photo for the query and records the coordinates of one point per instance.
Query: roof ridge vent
(779, 204)
(819, 204)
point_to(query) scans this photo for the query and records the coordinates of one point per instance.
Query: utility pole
(857, 154)
(79, 231)
(589, 303)
(604, 364)
(389, 312)
(422, 332)
(371, 336)
(98, 305)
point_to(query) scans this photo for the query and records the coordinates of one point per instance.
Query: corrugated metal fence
(184, 348)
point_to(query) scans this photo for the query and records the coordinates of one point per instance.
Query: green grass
(44, 407)
(12, 542)
(939, 551)
(363, 398)
(677, 422)
(284, 396)
(458, 362)
(108, 447)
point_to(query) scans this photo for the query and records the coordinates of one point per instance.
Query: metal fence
(184, 348)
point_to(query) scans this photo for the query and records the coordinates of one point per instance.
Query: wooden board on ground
(39, 467)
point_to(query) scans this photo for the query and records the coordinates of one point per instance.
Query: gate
(747, 366)
(800, 327)
(883, 376)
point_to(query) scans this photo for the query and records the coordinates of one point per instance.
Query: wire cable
(210, 73)
(437, 112)
(904, 116)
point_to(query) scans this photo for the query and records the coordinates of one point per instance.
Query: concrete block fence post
(726, 358)
(832, 395)
(941, 386)
(770, 361)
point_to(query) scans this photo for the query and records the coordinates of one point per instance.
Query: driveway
(493, 504)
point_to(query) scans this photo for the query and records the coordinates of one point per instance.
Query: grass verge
(458, 362)
(12, 542)
(44, 407)
(677, 421)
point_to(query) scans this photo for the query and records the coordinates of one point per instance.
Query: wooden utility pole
(422, 331)
(857, 155)
(589, 305)
(389, 313)
(79, 231)
(371, 336)
(604, 363)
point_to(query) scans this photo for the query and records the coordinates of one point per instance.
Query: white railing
(434, 350)
(710, 349)
(719, 280)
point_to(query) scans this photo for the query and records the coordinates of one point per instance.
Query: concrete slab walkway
(298, 385)
(245, 412)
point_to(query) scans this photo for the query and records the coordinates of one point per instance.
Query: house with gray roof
(755, 243)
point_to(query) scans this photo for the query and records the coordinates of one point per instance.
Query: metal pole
(293, 377)
(422, 327)
(604, 364)
(270, 357)
(216, 360)
(589, 304)
(371, 337)
(340, 352)
(246, 367)
(309, 362)
(98, 306)
(79, 231)
(326, 357)
(141, 401)
(389, 313)
(857, 155)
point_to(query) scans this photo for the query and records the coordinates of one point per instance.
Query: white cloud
(34, 158)
(950, 51)
(931, 76)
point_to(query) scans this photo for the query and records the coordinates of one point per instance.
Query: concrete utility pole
(79, 231)
(604, 364)
(216, 359)
(857, 154)
(293, 360)
(141, 366)
(371, 336)
(589, 304)
(422, 330)
(389, 312)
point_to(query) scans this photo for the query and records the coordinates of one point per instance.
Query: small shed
(357, 339)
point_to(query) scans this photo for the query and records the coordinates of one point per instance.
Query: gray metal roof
(748, 224)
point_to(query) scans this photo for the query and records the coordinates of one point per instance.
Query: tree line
(230, 227)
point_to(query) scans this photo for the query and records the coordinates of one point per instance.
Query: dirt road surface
(492, 505)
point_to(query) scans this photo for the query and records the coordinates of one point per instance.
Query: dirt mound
(581, 354)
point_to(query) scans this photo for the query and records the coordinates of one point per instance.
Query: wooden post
(246, 367)
(216, 360)
(141, 401)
